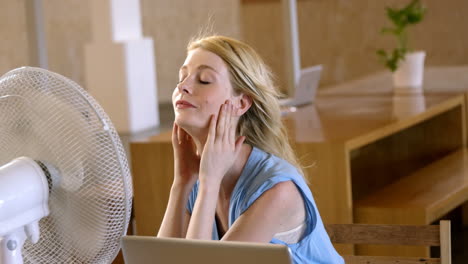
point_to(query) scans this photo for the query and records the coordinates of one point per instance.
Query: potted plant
(407, 66)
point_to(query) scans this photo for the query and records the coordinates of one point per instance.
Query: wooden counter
(437, 80)
(351, 144)
(355, 145)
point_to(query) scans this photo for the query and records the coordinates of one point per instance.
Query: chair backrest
(371, 234)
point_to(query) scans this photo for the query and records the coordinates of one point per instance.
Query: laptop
(146, 250)
(306, 87)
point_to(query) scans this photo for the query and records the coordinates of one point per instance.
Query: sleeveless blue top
(261, 172)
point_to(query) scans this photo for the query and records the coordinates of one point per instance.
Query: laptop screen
(306, 87)
(143, 250)
(307, 84)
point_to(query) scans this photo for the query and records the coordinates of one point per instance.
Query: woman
(236, 177)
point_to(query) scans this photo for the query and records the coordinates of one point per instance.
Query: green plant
(411, 14)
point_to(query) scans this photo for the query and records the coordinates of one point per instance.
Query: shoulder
(263, 162)
(277, 188)
(263, 171)
(283, 194)
(270, 170)
(283, 197)
(277, 209)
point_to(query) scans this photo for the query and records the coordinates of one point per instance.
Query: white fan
(63, 175)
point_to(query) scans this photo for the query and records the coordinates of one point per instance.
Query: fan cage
(50, 118)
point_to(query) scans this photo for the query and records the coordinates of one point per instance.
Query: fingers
(223, 127)
(212, 129)
(228, 124)
(220, 127)
(233, 125)
(175, 136)
(180, 134)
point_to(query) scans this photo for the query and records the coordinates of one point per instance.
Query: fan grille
(48, 117)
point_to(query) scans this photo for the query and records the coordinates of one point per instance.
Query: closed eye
(204, 82)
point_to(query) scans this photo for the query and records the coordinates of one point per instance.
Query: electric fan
(65, 186)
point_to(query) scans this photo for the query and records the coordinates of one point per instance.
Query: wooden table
(351, 143)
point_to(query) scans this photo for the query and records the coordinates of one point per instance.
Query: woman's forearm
(203, 215)
(174, 223)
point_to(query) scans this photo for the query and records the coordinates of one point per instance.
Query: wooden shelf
(421, 198)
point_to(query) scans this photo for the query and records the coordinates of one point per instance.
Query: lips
(184, 104)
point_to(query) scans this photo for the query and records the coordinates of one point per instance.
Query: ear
(244, 102)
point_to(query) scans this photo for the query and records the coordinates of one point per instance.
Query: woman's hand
(219, 154)
(186, 160)
(221, 148)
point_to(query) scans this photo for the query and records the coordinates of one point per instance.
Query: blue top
(261, 172)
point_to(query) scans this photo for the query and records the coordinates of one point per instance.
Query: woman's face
(204, 85)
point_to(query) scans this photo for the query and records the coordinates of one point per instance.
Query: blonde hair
(261, 124)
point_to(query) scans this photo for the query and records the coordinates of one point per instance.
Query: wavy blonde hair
(261, 124)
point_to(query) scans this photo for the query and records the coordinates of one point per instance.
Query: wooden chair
(369, 234)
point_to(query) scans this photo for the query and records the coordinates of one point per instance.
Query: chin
(187, 122)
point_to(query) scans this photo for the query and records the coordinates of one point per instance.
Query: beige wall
(341, 34)
(68, 28)
(14, 45)
(173, 23)
(344, 34)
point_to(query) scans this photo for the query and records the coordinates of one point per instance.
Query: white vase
(408, 78)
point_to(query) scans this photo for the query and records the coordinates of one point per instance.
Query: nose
(185, 87)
